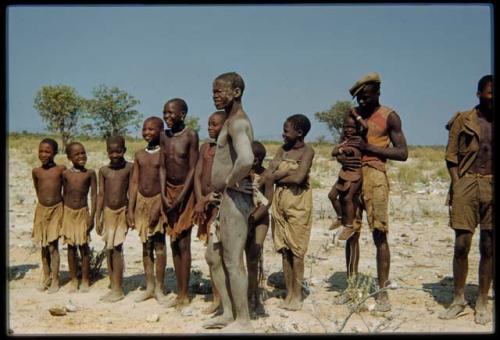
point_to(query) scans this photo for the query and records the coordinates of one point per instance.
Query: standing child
(112, 201)
(144, 209)
(47, 180)
(206, 207)
(178, 157)
(77, 222)
(257, 230)
(292, 205)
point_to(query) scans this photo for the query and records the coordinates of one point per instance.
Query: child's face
(215, 124)
(150, 131)
(77, 155)
(45, 153)
(290, 135)
(172, 114)
(116, 153)
(222, 94)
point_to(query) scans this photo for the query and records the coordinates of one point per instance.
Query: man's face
(77, 155)
(172, 114)
(215, 124)
(223, 94)
(290, 135)
(45, 153)
(367, 98)
(150, 131)
(486, 96)
(115, 153)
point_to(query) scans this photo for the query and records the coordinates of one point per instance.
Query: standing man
(230, 176)
(384, 129)
(469, 160)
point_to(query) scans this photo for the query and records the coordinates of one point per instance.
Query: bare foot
(295, 304)
(73, 286)
(85, 287)
(54, 287)
(452, 312)
(105, 296)
(148, 294)
(181, 303)
(115, 296)
(283, 304)
(218, 322)
(212, 308)
(159, 296)
(481, 316)
(382, 305)
(239, 327)
(172, 303)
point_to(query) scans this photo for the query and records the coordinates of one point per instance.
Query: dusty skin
(420, 260)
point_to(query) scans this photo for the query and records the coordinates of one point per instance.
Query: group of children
(167, 190)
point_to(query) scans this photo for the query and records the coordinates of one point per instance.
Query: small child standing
(112, 200)
(257, 230)
(77, 222)
(47, 180)
(292, 205)
(206, 208)
(144, 209)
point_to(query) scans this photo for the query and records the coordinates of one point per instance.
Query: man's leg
(148, 262)
(54, 266)
(298, 278)
(287, 259)
(72, 264)
(251, 253)
(383, 267)
(463, 239)
(161, 263)
(216, 302)
(85, 253)
(485, 274)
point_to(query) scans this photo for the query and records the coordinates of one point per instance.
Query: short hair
(115, 139)
(181, 102)
(52, 143)
(156, 120)
(219, 113)
(300, 122)
(234, 79)
(483, 82)
(70, 146)
(259, 150)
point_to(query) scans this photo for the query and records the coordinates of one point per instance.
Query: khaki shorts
(376, 198)
(472, 203)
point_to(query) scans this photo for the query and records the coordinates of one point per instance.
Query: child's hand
(258, 213)
(99, 228)
(165, 204)
(154, 217)
(348, 152)
(199, 210)
(90, 224)
(131, 219)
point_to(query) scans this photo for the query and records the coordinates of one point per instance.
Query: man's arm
(193, 158)
(298, 176)
(452, 151)
(93, 198)
(133, 185)
(243, 147)
(399, 149)
(100, 203)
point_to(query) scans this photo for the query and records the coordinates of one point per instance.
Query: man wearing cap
(469, 160)
(384, 140)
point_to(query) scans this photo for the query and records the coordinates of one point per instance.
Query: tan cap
(372, 77)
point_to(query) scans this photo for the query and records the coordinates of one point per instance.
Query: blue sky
(294, 59)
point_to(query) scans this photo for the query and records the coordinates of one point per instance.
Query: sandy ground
(421, 253)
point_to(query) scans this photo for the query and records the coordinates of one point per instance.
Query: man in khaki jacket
(469, 160)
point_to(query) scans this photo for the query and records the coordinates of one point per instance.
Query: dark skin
(368, 101)
(178, 157)
(146, 179)
(114, 182)
(463, 238)
(204, 191)
(47, 180)
(76, 186)
(294, 148)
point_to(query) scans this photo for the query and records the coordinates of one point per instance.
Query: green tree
(60, 107)
(193, 123)
(334, 117)
(111, 111)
